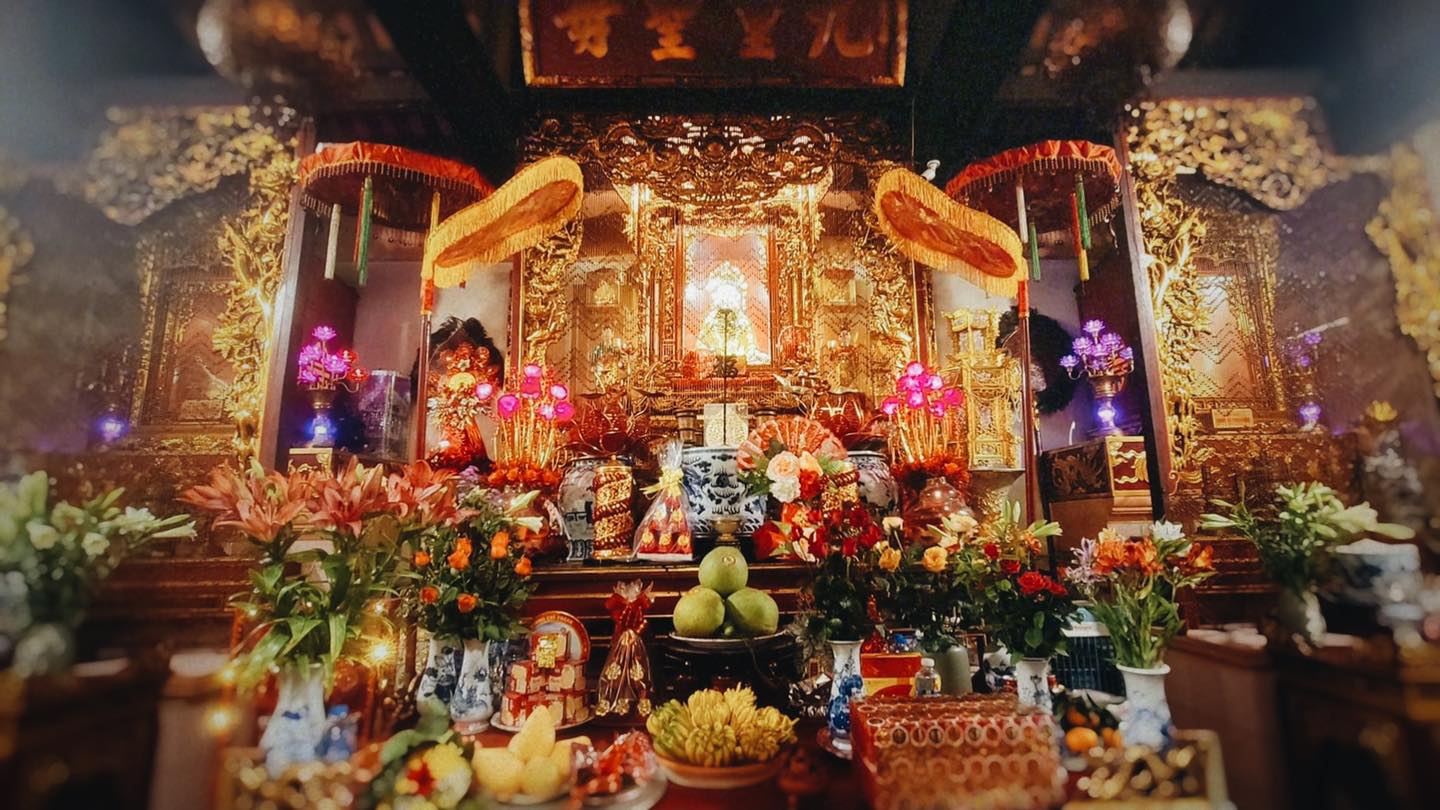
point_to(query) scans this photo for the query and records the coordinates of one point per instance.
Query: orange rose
(429, 595)
(465, 603)
(934, 559)
(459, 559)
(523, 567)
(889, 559)
(422, 559)
(499, 546)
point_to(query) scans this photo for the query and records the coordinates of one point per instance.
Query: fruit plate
(636, 797)
(728, 778)
(728, 643)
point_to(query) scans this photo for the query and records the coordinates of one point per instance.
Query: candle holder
(1103, 357)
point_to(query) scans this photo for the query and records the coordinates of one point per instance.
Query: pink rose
(783, 467)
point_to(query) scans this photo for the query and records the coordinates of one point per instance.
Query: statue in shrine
(726, 331)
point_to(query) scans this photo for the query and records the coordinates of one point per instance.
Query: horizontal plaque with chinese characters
(713, 43)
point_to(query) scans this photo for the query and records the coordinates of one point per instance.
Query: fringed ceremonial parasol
(1052, 192)
(534, 204)
(1064, 187)
(934, 230)
(393, 186)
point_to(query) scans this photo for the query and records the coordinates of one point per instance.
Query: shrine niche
(705, 238)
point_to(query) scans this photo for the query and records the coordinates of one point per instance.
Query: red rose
(429, 595)
(992, 551)
(1011, 566)
(1033, 582)
(466, 603)
(810, 485)
(1057, 590)
(767, 540)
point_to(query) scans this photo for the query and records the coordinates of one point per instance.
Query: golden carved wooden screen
(781, 197)
(1235, 357)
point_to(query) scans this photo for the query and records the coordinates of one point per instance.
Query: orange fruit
(1076, 718)
(1079, 740)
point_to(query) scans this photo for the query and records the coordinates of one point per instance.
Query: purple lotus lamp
(322, 373)
(1103, 357)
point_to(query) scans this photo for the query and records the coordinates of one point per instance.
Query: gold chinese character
(837, 20)
(759, 25)
(587, 24)
(668, 18)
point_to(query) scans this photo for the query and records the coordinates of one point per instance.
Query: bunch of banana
(716, 729)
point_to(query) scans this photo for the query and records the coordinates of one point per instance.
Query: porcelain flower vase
(473, 701)
(878, 488)
(296, 728)
(437, 680)
(845, 684)
(1300, 613)
(1147, 715)
(1032, 683)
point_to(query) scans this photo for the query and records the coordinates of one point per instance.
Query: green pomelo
(723, 570)
(753, 612)
(699, 613)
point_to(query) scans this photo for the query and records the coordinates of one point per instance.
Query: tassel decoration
(1024, 229)
(362, 230)
(332, 247)
(1079, 243)
(1083, 214)
(1034, 243)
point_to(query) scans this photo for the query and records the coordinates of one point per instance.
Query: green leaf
(299, 627)
(338, 626)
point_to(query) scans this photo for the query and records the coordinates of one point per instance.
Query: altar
(716, 404)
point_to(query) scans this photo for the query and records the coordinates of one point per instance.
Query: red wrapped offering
(624, 686)
(664, 533)
(940, 752)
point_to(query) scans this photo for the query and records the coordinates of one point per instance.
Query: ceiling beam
(455, 69)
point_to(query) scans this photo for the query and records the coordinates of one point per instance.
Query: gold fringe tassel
(489, 212)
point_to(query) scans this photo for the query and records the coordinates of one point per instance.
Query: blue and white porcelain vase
(297, 727)
(846, 684)
(879, 490)
(437, 680)
(473, 701)
(576, 501)
(713, 488)
(1032, 683)
(1146, 719)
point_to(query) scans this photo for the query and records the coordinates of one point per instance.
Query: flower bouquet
(789, 458)
(52, 558)
(926, 591)
(1022, 608)
(1133, 586)
(1296, 535)
(466, 597)
(310, 601)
